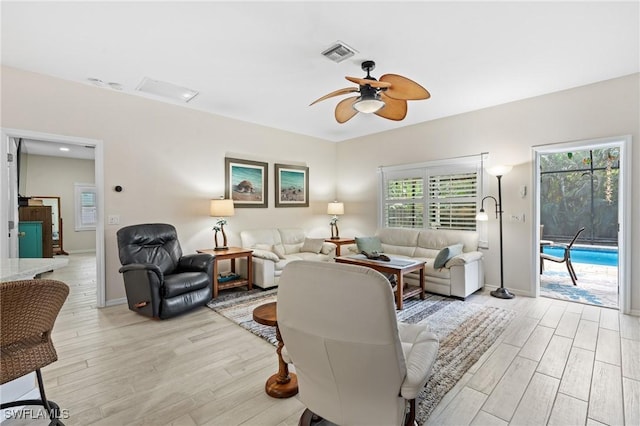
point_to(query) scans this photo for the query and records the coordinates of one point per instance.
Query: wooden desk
(340, 242)
(398, 267)
(232, 253)
(282, 384)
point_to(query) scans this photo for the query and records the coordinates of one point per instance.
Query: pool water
(592, 256)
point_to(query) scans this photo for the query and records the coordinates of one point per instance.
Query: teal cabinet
(30, 241)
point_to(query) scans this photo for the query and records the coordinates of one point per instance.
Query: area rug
(596, 286)
(466, 330)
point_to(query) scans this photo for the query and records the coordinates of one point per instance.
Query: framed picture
(292, 186)
(246, 182)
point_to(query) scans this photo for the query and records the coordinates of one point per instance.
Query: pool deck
(600, 282)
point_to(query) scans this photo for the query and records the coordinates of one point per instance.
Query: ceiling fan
(386, 97)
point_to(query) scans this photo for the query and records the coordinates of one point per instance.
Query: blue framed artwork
(246, 182)
(292, 185)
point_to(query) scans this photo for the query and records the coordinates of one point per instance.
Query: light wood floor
(558, 363)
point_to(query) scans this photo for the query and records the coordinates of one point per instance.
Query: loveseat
(462, 270)
(274, 248)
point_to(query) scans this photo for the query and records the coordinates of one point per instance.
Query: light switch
(113, 219)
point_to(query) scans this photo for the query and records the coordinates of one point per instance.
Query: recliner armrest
(197, 262)
(142, 267)
(419, 359)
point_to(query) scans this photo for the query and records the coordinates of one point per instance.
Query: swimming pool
(606, 256)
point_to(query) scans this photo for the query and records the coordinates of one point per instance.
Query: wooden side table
(340, 242)
(282, 384)
(232, 253)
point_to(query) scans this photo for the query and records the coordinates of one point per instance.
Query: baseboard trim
(115, 302)
(81, 251)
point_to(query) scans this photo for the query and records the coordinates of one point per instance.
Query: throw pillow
(369, 244)
(446, 254)
(312, 245)
(278, 249)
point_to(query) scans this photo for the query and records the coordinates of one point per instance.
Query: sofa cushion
(184, 282)
(292, 239)
(369, 244)
(437, 239)
(327, 248)
(278, 249)
(445, 254)
(312, 245)
(284, 262)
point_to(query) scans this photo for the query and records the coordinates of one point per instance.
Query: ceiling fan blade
(335, 93)
(394, 109)
(372, 83)
(345, 110)
(404, 88)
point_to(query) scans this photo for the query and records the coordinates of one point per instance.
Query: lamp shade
(368, 105)
(221, 208)
(482, 216)
(335, 208)
(499, 170)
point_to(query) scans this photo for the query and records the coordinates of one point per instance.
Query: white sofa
(274, 248)
(459, 277)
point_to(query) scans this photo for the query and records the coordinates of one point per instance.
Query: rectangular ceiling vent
(166, 90)
(339, 52)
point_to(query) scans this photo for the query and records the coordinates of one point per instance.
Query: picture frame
(246, 182)
(291, 185)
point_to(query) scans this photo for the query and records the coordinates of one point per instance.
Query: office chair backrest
(339, 326)
(150, 243)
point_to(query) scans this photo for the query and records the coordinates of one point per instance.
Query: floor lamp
(498, 172)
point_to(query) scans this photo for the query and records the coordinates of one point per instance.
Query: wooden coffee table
(282, 384)
(397, 266)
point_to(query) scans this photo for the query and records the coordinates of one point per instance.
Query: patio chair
(566, 258)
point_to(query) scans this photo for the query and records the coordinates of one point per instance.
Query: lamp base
(335, 238)
(502, 293)
(221, 248)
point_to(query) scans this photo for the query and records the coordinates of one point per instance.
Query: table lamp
(335, 209)
(221, 208)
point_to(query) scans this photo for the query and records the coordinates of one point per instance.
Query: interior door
(12, 195)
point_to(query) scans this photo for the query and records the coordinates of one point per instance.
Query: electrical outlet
(113, 219)
(517, 218)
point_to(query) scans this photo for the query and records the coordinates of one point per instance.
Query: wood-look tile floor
(558, 363)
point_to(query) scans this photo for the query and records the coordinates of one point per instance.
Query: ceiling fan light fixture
(368, 104)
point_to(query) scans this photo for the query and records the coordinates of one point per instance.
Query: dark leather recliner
(160, 282)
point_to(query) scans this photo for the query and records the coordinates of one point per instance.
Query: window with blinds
(442, 195)
(452, 201)
(404, 202)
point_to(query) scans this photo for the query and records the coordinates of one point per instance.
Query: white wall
(55, 177)
(508, 132)
(168, 159)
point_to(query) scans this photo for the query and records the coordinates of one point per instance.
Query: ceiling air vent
(166, 90)
(339, 52)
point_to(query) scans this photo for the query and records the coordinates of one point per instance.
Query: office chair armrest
(419, 358)
(197, 262)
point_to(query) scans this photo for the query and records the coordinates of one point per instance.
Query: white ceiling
(260, 61)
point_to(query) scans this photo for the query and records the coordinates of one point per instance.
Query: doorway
(583, 184)
(9, 191)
